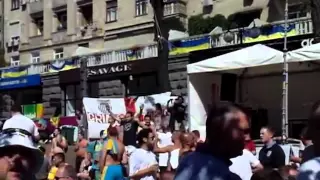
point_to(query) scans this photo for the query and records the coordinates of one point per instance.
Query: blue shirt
(203, 166)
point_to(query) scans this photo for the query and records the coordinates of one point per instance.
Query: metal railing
(94, 59)
(302, 26)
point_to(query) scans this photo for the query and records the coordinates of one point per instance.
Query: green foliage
(174, 24)
(200, 25)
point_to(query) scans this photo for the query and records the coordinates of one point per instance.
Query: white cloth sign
(97, 114)
(150, 101)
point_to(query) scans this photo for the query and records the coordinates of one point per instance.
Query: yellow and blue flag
(62, 65)
(269, 32)
(188, 45)
(13, 72)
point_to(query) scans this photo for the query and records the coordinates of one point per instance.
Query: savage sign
(109, 69)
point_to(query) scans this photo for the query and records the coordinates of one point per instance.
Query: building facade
(49, 37)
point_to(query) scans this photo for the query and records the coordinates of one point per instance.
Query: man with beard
(142, 162)
(225, 126)
(130, 126)
(21, 158)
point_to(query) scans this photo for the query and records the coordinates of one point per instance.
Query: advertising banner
(98, 115)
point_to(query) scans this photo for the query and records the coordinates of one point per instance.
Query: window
(112, 7)
(72, 99)
(86, 45)
(141, 7)
(35, 57)
(15, 4)
(62, 18)
(58, 53)
(15, 61)
(296, 11)
(15, 29)
(39, 23)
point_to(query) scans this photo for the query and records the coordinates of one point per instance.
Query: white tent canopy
(257, 55)
(307, 53)
(204, 77)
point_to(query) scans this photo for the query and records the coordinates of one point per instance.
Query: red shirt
(249, 145)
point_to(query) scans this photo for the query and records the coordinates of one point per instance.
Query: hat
(22, 138)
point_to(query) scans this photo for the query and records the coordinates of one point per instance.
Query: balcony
(301, 26)
(83, 2)
(61, 37)
(36, 6)
(172, 8)
(59, 3)
(98, 59)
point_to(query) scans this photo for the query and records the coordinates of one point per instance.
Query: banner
(33, 111)
(150, 101)
(29, 111)
(97, 114)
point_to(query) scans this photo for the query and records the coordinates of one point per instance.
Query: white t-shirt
(242, 165)
(20, 121)
(309, 170)
(165, 140)
(141, 159)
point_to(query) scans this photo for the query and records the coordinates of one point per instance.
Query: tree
(200, 25)
(315, 14)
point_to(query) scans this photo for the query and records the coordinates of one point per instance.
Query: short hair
(217, 117)
(144, 133)
(69, 171)
(61, 156)
(16, 108)
(267, 174)
(131, 113)
(269, 129)
(196, 132)
(149, 116)
(113, 131)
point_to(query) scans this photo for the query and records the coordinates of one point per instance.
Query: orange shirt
(82, 148)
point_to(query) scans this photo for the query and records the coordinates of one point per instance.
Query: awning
(253, 56)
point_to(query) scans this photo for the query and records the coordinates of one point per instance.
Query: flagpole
(285, 75)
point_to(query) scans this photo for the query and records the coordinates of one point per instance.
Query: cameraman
(177, 114)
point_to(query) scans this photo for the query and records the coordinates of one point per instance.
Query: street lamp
(285, 76)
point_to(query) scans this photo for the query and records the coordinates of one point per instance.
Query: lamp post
(84, 91)
(285, 76)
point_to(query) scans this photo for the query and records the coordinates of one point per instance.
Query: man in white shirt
(165, 139)
(142, 162)
(244, 165)
(19, 121)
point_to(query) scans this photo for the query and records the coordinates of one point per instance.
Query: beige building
(43, 30)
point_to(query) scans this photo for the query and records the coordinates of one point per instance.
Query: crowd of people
(152, 147)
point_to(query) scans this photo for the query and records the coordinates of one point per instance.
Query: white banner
(150, 101)
(97, 114)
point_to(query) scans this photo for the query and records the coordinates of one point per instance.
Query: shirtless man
(58, 141)
(112, 153)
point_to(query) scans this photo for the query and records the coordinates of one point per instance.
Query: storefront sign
(110, 69)
(307, 42)
(20, 82)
